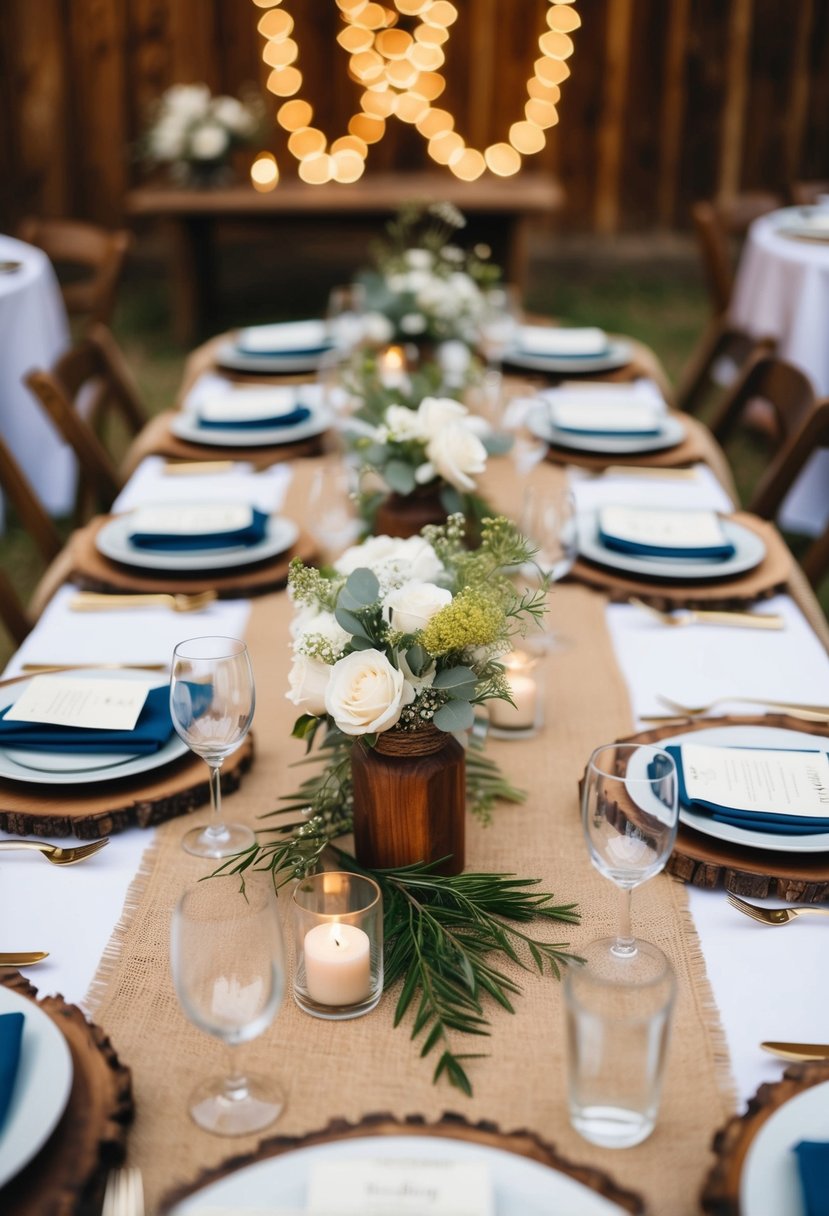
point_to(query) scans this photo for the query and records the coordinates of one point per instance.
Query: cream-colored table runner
(348, 1069)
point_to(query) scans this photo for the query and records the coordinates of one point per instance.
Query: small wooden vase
(409, 800)
(403, 515)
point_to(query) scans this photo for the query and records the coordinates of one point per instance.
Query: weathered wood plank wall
(668, 101)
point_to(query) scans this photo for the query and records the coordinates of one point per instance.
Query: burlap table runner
(350, 1068)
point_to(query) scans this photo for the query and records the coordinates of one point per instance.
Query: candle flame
(518, 661)
(393, 359)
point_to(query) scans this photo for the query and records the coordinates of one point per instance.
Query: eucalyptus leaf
(362, 587)
(351, 623)
(497, 443)
(399, 476)
(450, 500)
(454, 716)
(418, 659)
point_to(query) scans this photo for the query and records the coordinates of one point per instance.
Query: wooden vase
(403, 515)
(409, 800)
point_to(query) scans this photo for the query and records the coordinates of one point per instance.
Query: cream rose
(412, 606)
(394, 561)
(365, 694)
(434, 413)
(308, 681)
(402, 423)
(457, 455)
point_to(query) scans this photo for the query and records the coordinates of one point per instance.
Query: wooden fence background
(668, 101)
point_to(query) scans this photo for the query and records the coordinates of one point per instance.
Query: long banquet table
(106, 922)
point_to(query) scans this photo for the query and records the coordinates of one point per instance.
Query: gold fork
(93, 601)
(808, 713)
(773, 916)
(124, 1194)
(54, 852)
(707, 616)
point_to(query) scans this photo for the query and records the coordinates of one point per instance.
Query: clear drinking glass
(629, 814)
(500, 319)
(228, 967)
(212, 700)
(617, 1035)
(548, 519)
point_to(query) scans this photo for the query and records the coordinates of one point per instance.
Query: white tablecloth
(782, 291)
(34, 331)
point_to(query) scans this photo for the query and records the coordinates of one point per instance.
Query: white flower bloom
(167, 139)
(322, 625)
(233, 116)
(208, 141)
(308, 681)
(403, 423)
(413, 323)
(419, 259)
(411, 607)
(377, 329)
(453, 253)
(365, 694)
(187, 101)
(457, 454)
(435, 413)
(424, 473)
(454, 358)
(394, 561)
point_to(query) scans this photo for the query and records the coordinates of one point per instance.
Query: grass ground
(652, 292)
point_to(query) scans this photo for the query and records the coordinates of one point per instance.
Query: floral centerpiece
(427, 287)
(194, 133)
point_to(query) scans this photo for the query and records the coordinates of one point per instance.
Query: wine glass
(548, 519)
(211, 703)
(228, 966)
(630, 812)
(499, 322)
(332, 516)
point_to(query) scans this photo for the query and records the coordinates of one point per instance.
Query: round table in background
(34, 332)
(782, 291)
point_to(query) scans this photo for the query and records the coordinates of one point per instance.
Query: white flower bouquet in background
(194, 133)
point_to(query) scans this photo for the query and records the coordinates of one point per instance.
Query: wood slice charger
(757, 873)
(450, 1126)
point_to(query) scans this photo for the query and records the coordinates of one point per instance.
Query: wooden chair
(786, 390)
(19, 494)
(781, 476)
(73, 245)
(716, 363)
(80, 393)
(805, 193)
(718, 226)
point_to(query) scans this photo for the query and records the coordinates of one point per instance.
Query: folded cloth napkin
(288, 338)
(560, 343)
(11, 1033)
(266, 422)
(664, 533)
(152, 730)
(629, 419)
(739, 817)
(813, 1167)
(249, 533)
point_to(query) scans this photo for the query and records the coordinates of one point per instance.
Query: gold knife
(197, 467)
(798, 1051)
(18, 959)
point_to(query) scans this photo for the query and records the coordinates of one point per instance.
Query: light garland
(400, 72)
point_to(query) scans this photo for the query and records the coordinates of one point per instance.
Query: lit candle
(523, 714)
(337, 964)
(393, 367)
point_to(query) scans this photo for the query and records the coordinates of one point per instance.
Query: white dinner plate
(618, 354)
(671, 433)
(520, 1185)
(769, 1183)
(229, 356)
(41, 1088)
(186, 426)
(749, 551)
(42, 767)
(751, 736)
(114, 542)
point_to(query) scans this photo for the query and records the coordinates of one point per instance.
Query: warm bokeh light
(354, 40)
(562, 17)
(402, 74)
(435, 122)
(412, 8)
(469, 166)
(350, 143)
(551, 71)
(443, 146)
(555, 45)
(348, 166)
(266, 3)
(526, 137)
(379, 105)
(295, 114)
(429, 85)
(394, 44)
(411, 108)
(502, 160)
(367, 128)
(306, 142)
(276, 24)
(426, 58)
(372, 17)
(264, 173)
(317, 170)
(441, 13)
(541, 90)
(541, 113)
(431, 35)
(280, 54)
(284, 82)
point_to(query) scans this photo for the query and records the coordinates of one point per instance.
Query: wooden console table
(192, 215)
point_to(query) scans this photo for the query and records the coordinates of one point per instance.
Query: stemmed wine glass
(499, 322)
(630, 812)
(228, 967)
(211, 703)
(548, 518)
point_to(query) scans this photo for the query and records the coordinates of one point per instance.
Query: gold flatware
(94, 601)
(124, 1194)
(55, 853)
(798, 1051)
(708, 616)
(32, 669)
(807, 713)
(183, 468)
(773, 916)
(10, 267)
(22, 958)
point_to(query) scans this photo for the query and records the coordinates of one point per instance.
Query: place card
(247, 404)
(558, 342)
(691, 534)
(400, 1187)
(591, 416)
(195, 519)
(757, 781)
(106, 704)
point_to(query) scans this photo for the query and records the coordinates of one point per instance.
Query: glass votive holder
(338, 945)
(525, 717)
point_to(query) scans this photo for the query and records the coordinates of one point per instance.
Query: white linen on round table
(782, 291)
(34, 332)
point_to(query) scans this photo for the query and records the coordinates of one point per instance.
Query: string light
(399, 70)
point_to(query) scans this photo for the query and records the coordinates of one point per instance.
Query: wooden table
(191, 215)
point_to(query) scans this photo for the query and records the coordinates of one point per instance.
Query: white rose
(187, 101)
(232, 115)
(167, 139)
(435, 413)
(419, 259)
(413, 323)
(208, 142)
(457, 455)
(412, 606)
(366, 694)
(376, 328)
(308, 680)
(403, 423)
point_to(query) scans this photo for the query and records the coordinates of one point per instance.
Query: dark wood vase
(403, 515)
(409, 800)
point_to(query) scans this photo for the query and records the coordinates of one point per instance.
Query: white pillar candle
(523, 714)
(337, 964)
(393, 367)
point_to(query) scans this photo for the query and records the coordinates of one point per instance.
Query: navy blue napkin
(710, 552)
(152, 730)
(813, 1167)
(11, 1033)
(781, 825)
(174, 542)
(298, 414)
